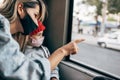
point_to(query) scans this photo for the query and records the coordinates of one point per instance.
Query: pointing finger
(79, 40)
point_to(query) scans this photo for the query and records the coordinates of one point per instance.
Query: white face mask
(37, 42)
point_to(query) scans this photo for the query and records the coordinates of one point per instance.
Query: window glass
(99, 24)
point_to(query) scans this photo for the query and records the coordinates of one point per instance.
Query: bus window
(93, 20)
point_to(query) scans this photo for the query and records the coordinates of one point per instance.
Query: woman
(14, 65)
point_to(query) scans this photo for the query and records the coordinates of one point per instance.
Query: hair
(9, 8)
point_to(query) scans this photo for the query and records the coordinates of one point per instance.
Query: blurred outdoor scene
(98, 22)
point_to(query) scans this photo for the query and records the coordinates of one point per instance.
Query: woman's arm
(14, 65)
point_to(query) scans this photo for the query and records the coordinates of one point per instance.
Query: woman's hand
(71, 48)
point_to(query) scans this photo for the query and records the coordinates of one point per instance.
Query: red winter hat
(41, 27)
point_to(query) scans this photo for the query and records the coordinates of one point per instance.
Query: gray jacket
(14, 65)
(41, 51)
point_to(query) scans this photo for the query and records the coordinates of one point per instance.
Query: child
(35, 47)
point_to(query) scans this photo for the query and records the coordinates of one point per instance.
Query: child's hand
(71, 48)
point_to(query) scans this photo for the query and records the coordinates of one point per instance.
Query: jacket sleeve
(55, 72)
(14, 65)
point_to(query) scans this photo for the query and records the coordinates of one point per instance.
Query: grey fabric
(14, 65)
(41, 51)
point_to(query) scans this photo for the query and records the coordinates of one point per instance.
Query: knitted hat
(41, 27)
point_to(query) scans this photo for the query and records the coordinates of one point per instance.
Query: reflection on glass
(100, 27)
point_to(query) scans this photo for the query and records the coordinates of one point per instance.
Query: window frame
(69, 36)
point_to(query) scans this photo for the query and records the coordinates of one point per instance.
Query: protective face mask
(28, 25)
(37, 42)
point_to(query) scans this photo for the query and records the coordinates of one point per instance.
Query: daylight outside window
(98, 21)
